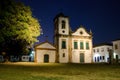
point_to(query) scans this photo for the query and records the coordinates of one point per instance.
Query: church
(69, 46)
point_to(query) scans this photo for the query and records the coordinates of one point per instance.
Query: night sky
(101, 16)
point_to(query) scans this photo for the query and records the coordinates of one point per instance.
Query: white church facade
(70, 47)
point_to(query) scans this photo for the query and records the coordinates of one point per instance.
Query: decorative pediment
(81, 32)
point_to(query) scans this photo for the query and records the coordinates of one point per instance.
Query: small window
(87, 45)
(116, 57)
(23, 57)
(63, 55)
(108, 49)
(95, 59)
(94, 50)
(75, 45)
(103, 57)
(81, 45)
(63, 24)
(100, 58)
(102, 49)
(116, 46)
(97, 50)
(63, 44)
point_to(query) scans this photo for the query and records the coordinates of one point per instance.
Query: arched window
(63, 24)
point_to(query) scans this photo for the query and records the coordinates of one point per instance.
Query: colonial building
(116, 49)
(45, 52)
(101, 52)
(71, 47)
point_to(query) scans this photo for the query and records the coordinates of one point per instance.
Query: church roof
(59, 15)
(45, 44)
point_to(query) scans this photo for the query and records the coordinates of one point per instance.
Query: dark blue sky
(101, 16)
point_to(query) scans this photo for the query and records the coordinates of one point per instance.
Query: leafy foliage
(18, 28)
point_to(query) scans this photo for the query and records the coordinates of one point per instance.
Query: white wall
(61, 51)
(116, 51)
(85, 37)
(41, 53)
(103, 51)
(87, 55)
(70, 54)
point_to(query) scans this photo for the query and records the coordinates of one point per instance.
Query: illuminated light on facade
(114, 55)
(97, 55)
(32, 53)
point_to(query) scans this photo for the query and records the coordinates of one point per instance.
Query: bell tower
(61, 24)
(61, 37)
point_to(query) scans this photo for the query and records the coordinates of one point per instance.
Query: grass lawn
(55, 71)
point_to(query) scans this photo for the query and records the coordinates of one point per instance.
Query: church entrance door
(81, 57)
(46, 58)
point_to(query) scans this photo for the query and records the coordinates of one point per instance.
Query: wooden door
(46, 58)
(81, 57)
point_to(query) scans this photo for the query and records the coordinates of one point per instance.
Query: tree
(18, 28)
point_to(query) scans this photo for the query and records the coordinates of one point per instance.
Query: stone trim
(45, 49)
